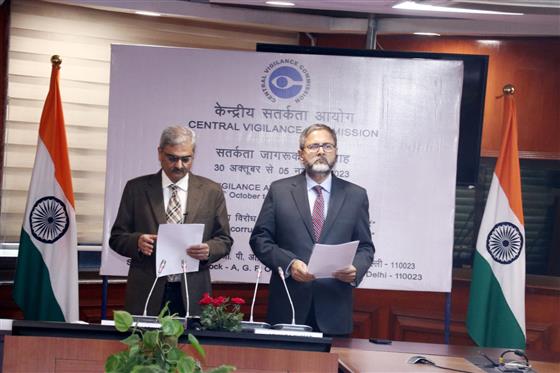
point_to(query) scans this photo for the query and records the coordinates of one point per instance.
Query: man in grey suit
(172, 195)
(299, 211)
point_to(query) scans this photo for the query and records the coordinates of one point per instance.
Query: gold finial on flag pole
(56, 61)
(509, 89)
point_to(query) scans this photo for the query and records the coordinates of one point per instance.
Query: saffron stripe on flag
(53, 135)
(507, 166)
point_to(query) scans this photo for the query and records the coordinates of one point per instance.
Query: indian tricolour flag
(496, 312)
(46, 282)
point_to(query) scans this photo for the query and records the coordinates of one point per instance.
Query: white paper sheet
(326, 259)
(172, 243)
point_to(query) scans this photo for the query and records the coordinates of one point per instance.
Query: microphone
(250, 325)
(184, 268)
(190, 321)
(514, 365)
(160, 269)
(293, 325)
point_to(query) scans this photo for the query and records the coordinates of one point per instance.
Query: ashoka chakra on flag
(504, 242)
(48, 219)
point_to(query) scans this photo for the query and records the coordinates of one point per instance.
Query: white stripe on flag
(59, 257)
(511, 277)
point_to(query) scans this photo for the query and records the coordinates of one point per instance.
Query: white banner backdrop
(397, 122)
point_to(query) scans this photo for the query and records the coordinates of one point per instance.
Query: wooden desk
(54, 354)
(354, 361)
(359, 355)
(24, 354)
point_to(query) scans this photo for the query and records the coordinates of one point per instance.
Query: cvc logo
(285, 82)
(285, 79)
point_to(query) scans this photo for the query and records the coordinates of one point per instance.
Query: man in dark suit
(299, 211)
(172, 195)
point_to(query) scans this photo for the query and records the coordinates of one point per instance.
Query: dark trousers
(172, 294)
(312, 322)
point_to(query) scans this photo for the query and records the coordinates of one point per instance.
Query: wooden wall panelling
(554, 254)
(8, 308)
(531, 64)
(543, 316)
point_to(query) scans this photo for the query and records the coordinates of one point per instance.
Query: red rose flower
(216, 302)
(221, 313)
(206, 299)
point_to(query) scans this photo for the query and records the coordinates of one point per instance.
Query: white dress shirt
(182, 191)
(312, 195)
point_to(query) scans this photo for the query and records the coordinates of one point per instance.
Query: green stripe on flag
(32, 285)
(490, 321)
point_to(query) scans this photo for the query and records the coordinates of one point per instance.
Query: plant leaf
(194, 342)
(150, 338)
(171, 327)
(171, 341)
(131, 340)
(123, 320)
(133, 350)
(114, 363)
(187, 364)
(179, 329)
(164, 311)
(174, 355)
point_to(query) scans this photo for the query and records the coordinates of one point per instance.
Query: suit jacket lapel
(194, 197)
(154, 193)
(299, 193)
(338, 194)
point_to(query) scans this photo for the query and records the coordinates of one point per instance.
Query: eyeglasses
(327, 148)
(173, 158)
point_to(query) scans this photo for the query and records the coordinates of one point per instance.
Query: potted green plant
(155, 350)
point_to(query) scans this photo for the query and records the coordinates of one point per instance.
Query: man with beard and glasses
(172, 195)
(300, 211)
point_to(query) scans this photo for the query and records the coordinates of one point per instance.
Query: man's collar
(326, 184)
(183, 183)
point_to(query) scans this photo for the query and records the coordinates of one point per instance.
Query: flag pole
(447, 320)
(104, 293)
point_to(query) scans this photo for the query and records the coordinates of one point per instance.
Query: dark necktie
(318, 215)
(173, 212)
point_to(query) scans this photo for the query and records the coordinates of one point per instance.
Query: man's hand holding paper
(300, 272)
(199, 251)
(347, 274)
(172, 243)
(333, 261)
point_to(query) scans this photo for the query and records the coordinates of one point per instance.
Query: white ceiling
(541, 17)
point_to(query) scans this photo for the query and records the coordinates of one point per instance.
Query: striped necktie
(174, 216)
(173, 212)
(318, 216)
